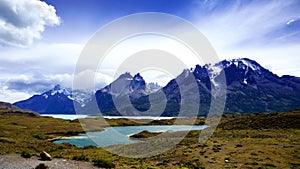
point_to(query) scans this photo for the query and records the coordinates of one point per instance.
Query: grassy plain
(241, 141)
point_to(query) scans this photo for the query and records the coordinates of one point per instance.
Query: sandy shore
(15, 161)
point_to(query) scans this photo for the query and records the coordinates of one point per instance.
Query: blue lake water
(120, 135)
(65, 116)
(74, 116)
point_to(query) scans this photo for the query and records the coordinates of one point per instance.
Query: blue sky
(85, 17)
(40, 41)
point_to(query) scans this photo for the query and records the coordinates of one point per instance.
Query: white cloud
(91, 80)
(42, 58)
(36, 69)
(34, 83)
(254, 29)
(13, 96)
(160, 77)
(22, 86)
(147, 50)
(245, 24)
(280, 60)
(23, 21)
(293, 20)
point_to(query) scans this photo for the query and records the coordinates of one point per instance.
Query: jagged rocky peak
(138, 77)
(200, 72)
(120, 85)
(153, 87)
(57, 87)
(138, 82)
(185, 73)
(125, 84)
(245, 71)
(126, 75)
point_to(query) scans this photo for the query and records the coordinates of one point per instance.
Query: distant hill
(9, 109)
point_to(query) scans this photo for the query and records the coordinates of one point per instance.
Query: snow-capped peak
(60, 90)
(80, 96)
(241, 63)
(247, 62)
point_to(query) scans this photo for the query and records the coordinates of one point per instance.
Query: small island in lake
(144, 134)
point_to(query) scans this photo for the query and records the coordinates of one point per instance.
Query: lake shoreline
(112, 136)
(75, 116)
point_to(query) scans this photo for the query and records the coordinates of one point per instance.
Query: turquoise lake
(120, 135)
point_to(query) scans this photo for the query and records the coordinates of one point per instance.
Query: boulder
(45, 156)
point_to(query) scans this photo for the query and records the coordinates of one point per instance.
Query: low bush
(80, 158)
(25, 154)
(103, 163)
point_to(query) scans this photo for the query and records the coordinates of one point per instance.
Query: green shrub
(103, 163)
(80, 158)
(25, 154)
(39, 136)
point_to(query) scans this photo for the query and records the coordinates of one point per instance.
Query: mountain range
(249, 88)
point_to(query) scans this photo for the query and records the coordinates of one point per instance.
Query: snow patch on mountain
(45, 96)
(244, 63)
(82, 96)
(79, 96)
(214, 71)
